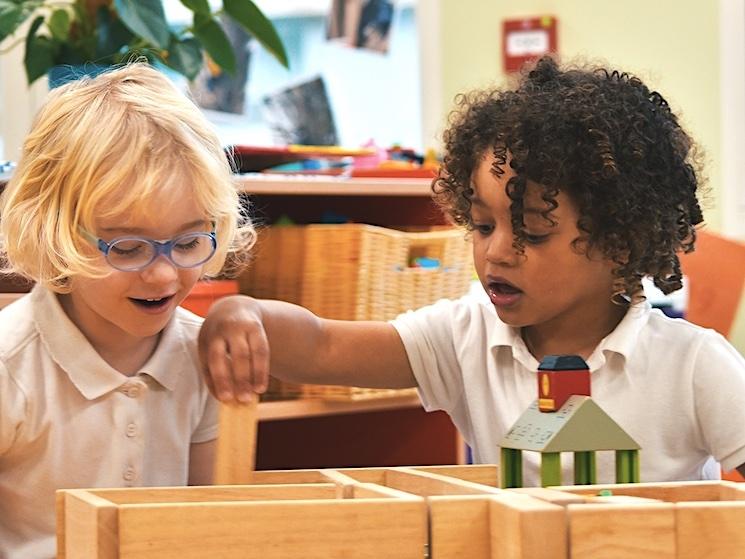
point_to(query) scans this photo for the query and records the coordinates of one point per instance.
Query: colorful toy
(565, 418)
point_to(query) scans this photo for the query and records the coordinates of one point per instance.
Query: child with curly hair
(123, 198)
(575, 185)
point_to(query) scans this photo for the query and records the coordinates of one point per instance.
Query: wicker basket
(356, 272)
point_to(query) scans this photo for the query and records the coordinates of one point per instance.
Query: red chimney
(561, 376)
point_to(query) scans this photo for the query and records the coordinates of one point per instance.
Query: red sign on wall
(527, 39)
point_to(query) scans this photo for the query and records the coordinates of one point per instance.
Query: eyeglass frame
(160, 247)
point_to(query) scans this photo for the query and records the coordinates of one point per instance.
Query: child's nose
(500, 249)
(162, 270)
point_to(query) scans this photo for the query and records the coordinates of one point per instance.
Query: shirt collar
(621, 340)
(87, 370)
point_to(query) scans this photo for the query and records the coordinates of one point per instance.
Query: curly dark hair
(602, 137)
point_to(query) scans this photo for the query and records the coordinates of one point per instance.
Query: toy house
(565, 418)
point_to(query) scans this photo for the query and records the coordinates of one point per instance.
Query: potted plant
(105, 32)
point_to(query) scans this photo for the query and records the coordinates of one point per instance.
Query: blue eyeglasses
(131, 254)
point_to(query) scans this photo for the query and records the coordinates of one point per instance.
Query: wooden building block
(459, 527)
(484, 474)
(523, 527)
(628, 531)
(711, 530)
(235, 456)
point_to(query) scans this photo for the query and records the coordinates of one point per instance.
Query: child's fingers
(259, 344)
(241, 365)
(219, 370)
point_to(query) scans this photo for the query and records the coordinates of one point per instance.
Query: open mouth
(154, 303)
(503, 288)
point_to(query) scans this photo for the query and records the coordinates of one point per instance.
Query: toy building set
(436, 512)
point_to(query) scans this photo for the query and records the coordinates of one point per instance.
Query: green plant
(112, 31)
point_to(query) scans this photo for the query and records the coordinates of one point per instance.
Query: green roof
(580, 425)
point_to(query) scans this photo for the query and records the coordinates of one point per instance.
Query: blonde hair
(102, 147)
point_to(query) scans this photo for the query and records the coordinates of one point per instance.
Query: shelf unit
(373, 432)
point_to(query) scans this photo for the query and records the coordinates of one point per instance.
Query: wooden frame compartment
(255, 521)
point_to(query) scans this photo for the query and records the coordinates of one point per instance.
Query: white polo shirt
(676, 388)
(69, 420)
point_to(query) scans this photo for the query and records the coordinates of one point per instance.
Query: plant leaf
(112, 35)
(199, 6)
(145, 18)
(214, 40)
(59, 24)
(13, 13)
(185, 56)
(255, 22)
(40, 52)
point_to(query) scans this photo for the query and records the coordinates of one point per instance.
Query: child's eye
(188, 245)
(484, 229)
(127, 248)
(535, 239)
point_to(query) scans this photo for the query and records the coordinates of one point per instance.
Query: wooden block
(427, 484)
(221, 493)
(562, 498)
(671, 492)
(275, 477)
(272, 530)
(91, 527)
(522, 527)
(459, 527)
(631, 531)
(731, 491)
(235, 457)
(711, 530)
(484, 474)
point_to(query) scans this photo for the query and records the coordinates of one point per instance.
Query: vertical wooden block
(522, 527)
(459, 527)
(91, 527)
(236, 443)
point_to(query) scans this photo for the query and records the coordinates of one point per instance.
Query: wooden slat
(426, 484)
(354, 529)
(628, 531)
(217, 493)
(666, 491)
(711, 530)
(484, 474)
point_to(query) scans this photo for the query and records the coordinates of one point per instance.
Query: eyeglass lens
(186, 251)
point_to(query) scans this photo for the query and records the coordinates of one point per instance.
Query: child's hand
(234, 349)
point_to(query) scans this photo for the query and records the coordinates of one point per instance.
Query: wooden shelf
(306, 407)
(333, 186)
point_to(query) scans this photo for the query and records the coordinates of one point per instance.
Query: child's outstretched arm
(243, 340)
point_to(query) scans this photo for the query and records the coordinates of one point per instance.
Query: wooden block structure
(565, 418)
(439, 512)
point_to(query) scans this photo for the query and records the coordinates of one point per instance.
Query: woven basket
(356, 272)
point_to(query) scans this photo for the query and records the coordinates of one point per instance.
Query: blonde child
(121, 201)
(575, 185)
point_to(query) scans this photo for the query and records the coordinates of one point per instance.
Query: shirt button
(131, 430)
(133, 391)
(129, 474)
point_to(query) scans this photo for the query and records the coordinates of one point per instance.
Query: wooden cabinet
(376, 432)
